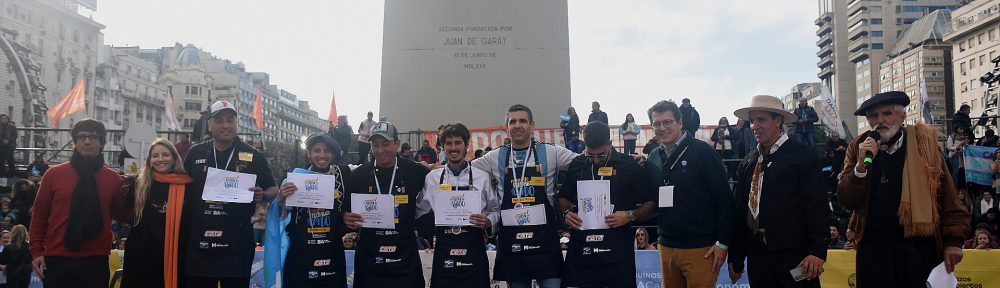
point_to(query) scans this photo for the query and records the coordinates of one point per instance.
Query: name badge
(537, 181)
(246, 156)
(666, 199)
(402, 199)
(606, 171)
(445, 187)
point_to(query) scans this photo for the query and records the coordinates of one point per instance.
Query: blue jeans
(542, 283)
(808, 138)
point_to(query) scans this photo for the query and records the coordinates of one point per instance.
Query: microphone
(868, 155)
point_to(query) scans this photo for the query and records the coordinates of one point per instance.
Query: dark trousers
(905, 263)
(772, 268)
(86, 272)
(19, 281)
(205, 282)
(7, 160)
(363, 149)
(629, 147)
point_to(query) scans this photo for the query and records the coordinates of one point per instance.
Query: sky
(624, 54)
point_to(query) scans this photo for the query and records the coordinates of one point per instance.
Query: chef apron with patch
(315, 253)
(526, 252)
(459, 255)
(594, 257)
(388, 257)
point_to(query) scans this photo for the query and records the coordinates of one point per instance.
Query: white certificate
(314, 191)
(453, 208)
(228, 186)
(524, 216)
(666, 196)
(594, 203)
(376, 210)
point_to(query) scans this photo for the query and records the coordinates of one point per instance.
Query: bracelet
(566, 212)
(724, 247)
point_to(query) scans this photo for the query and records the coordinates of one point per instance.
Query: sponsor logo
(599, 250)
(321, 262)
(531, 247)
(317, 242)
(588, 205)
(462, 264)
(390, 260)
(515, 248)
(595, 238)
(213, 234)
(231, 182)
(386, 232)
(523, 218)
(370, 205)
(458, 252)
(379, 260)
(387, 249)
(457, 201)
(324, 274)
(313, 274)
(587, 251)
(449, 263)
(217, 245)
(524, 235)
(312, 184)
(199, 161)
(203, 245)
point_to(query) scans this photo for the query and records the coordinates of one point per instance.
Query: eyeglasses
(87, 137)
(598, 156)
(664, 124)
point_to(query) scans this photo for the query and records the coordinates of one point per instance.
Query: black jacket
(692, 121)
(8, 132)
(793, 205)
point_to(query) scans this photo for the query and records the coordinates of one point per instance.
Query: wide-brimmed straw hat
(766, 103)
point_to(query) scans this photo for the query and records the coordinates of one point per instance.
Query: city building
(975, 39)
(921, 62)
(836, 71)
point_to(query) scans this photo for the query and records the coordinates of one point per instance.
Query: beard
(887, 132)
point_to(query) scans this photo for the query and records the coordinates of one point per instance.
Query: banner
(828, 112)
(978, 269)
(493, 137)
(978, 164)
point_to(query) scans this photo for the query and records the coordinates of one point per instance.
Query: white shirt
(481, 181)
(891, 150)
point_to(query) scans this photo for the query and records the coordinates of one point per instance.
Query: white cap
(221, 105)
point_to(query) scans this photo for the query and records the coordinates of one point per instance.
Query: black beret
(891, 97)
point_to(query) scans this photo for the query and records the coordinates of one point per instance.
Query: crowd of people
(755, 195)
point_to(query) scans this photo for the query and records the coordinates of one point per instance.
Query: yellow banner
(979, 268)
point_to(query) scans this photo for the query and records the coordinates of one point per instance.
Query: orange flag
(333, 111)
(74, 101)
(258, 112)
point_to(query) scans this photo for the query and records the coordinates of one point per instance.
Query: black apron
(595, 257)
(459, 253)
(315, 253)
(388, 257)
(527, 252)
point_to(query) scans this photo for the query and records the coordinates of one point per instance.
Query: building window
(192, 106)
(876, 33)
(875, 9)
(876, 21)
(877, 46)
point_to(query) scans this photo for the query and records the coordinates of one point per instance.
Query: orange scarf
(175, 204)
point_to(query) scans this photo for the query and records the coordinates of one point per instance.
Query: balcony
(858, 29)
(859, 55)
(825, 72)
(824, 40)
(825, 62)
(826, 28)
(826, 50)
(857, 45)
(854, 6)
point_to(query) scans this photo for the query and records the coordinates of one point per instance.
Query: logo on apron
(449, 263)
(321, 262)
(213, 234)
(595, 238)
(458, 252)
(524, 235)
(387, 249)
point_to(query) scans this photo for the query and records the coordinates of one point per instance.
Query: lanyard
(391, 180)
(214, 155)
(592, 176)
(456, 187)
(666, 176)
(519, 189)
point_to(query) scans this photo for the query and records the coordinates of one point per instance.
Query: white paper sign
(940, 277)
(314, 191)
(524, 216)
(666, 199)
(453, 208)
(228, 186)
(594, 203)
(376, 210)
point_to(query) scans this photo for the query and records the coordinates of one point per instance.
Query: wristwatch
(631, 215)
